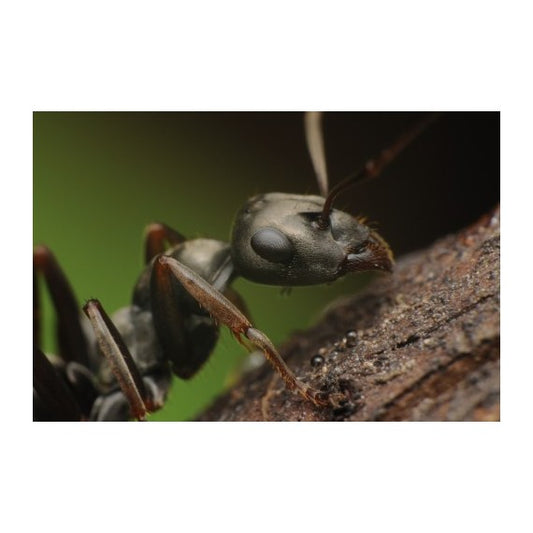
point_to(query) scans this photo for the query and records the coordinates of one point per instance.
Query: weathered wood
(426, 344)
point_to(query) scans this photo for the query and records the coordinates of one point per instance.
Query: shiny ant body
(184, 294)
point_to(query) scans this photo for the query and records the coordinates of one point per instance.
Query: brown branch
(422, 344)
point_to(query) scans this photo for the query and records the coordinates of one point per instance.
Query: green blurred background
(100, 178)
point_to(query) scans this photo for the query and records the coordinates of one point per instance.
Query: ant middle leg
(225, 312)
(138, 395)
(157, 238)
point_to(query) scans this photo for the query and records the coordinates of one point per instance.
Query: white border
(255, 56)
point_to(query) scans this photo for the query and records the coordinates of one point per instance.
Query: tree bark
(422, 344)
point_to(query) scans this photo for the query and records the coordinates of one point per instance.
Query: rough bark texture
(422, 344)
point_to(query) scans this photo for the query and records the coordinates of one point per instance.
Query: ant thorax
(207, 257)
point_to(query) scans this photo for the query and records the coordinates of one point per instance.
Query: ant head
(281, 239)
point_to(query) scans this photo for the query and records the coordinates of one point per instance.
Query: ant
(184, 293)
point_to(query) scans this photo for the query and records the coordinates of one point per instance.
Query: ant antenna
(374, 167)
(315, 145)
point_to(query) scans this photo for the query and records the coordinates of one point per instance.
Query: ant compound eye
(272, 245)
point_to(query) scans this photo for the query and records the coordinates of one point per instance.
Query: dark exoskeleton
(185, 292)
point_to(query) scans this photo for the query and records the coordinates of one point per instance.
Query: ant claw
(337, 400)
(325, 399)
(320, 399)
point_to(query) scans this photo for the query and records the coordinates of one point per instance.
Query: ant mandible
(184, 294)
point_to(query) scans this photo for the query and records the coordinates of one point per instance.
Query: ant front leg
(225, 312)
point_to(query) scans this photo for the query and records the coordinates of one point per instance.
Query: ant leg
(237, 300)
(72, 370)
(52, 399)
(120, 360)
(157, 235)
(72, 342)
(227, 313)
